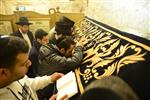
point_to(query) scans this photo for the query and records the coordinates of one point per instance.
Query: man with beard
(63, 57)
(14, 64)
(23, 31)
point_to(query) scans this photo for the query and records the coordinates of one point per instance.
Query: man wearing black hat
(23, 30)
(64, 26)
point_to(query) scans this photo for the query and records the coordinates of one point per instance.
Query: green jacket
(52, 61)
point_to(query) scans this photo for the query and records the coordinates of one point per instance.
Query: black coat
(52, 61)
(29, 33)
(33, 56)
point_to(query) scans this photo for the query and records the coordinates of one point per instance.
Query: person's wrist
(51, 78)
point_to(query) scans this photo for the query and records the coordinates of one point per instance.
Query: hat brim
(66, 20)
(63, 24)
(21, 23)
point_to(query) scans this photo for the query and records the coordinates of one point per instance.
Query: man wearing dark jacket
(23, 31)
(63, 57)
(41, 38)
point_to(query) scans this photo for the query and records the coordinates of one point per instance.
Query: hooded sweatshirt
(24, 89)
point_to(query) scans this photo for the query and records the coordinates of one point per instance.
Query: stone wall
(127, 15)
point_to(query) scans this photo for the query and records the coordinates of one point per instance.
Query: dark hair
(40, 33)
(10, 47)
(114, 84)
(65, 42)
(100, 94)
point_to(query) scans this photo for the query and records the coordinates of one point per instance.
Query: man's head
(41, 36)
(24, 28)
(100, 93)
(64, 26)
(14, 62)
(109, 86)
(23, 24)
(66, 45)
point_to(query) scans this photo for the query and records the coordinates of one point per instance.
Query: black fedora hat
(64, 21)
(64, 29)
(23, 21)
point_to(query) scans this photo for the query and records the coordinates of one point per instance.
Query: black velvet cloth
(110, 51)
